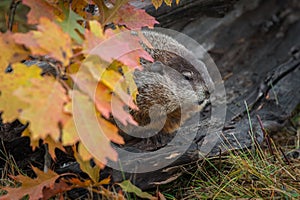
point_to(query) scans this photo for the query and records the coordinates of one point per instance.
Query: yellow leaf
(168, 2)
(157, 3)
(9, 82)
(93, 172)
(11, 52)
(93, 137)
(49, 40)
(46, 98)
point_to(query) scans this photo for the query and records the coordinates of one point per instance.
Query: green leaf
(127, 186)
(71, 26)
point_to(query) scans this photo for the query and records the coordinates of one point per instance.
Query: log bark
(256, 48)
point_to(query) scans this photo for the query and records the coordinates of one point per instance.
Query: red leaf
(32, 187)
(134, 18)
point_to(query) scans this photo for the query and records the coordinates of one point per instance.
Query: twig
(266, 136)
(13, 7)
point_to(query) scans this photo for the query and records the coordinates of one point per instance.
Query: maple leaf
(93, 37)
(168, 2)
(86, 83)
(119, 112)
(130, 83)
(95, 138)
(157, 3)
(85, 166)
(70, 25)
(69, 136)
(39, 9)
(58, 188)
(11, 52)
(108, 13)
(33, 187)
(52, 145)
(133, 18)
(113, 80)
(48, 40)
(100, 93)
(114, 45)
(10, 105)
(46, 98)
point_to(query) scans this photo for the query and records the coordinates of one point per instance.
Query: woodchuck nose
(170, 89)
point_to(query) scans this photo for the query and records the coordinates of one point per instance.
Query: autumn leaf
(11, 52)
(85, 166)
(114, 45)
(71, 26)
(168, 2)
(108, 13)
(48, 40)
(11, 105)
(130, 83)
(157, 3)
(46, 98)
(39, 9)
(69, 135)
(93, 137)
(32, 187)
(59, 187)
(100, 93)
(52, 145)
(87, 84)
(133, 18)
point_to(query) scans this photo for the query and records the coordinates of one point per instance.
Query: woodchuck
(170, 89)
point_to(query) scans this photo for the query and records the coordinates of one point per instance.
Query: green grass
(263, 172)
(240, 175)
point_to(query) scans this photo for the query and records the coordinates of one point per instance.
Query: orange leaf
(93, 137)
(102, 96)
(52, 145)
(114, 45)
(58, 188)
(11, 52)
(119, 112)
(32, 187)
(39, 9)
(88, 85)
(134, 18)
(46, 98)
(48, 40)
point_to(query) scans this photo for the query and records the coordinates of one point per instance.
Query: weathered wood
(255, 49)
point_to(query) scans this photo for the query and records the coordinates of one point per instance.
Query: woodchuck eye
(188, 75)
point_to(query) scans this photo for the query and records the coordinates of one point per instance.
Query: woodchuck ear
(157, 67)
